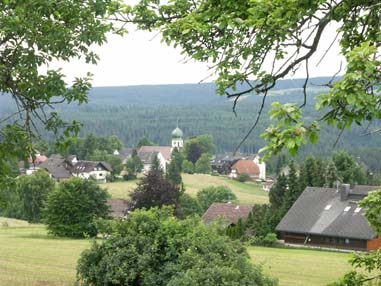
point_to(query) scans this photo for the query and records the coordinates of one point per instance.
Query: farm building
(227, 211)
(327, 217)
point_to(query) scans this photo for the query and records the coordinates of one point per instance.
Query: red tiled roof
(166, 151)
(229, 211)
(39, 159)
(246, 166)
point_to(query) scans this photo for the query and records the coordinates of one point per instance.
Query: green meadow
(31, 257)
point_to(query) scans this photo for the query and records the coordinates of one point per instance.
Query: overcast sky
(140, 58)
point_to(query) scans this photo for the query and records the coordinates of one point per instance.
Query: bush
(243, 177)
(25, 196)
(187, 167)
(209, 195)
(269, 240)
(188, 206)
(72, 209)
(151, 247)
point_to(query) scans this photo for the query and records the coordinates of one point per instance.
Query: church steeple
(177, 137)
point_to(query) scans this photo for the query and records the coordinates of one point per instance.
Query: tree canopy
(154, 248)
(32, 34)
(252, 44)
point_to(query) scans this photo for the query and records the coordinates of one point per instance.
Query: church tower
(177, 138)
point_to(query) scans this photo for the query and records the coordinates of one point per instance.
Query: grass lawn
(30, 257)
(301, 266)
(248, 193)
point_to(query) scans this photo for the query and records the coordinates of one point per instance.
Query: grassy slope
(30, 257)
(301, 266)
(248, 193)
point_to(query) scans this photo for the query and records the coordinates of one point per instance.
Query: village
(190, 143)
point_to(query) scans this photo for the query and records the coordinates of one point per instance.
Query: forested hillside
(152, 111)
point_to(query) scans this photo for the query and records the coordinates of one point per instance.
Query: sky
(139, 58)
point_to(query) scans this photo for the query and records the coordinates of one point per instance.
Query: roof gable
(321, 211)
(166, 151)
(246, 166)
(229, 211)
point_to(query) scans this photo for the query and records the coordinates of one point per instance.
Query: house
(32, 164)
(124, 154)
(223, 163)
(61, 168)
(148, 157)
(57, 167)
(227, 211)
(94, 169)
(327, 217)
(245, 167)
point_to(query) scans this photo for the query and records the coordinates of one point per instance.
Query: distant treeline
(152, 112)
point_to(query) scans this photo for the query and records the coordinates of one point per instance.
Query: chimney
(344, 191)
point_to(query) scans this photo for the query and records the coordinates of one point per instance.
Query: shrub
(269, 240)
(187, 167)
(151, 247)
(209, 195)
(243, 177)
(72, 208)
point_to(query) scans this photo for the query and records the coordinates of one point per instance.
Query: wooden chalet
(331, 218)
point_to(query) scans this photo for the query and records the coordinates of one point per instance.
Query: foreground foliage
(32, 34)
(253, 44)
(74, 206)
(153, 248)
(370, 263)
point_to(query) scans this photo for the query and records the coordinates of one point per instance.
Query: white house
(86, 169)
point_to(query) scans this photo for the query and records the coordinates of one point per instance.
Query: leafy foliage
(203, 164)
(153, 248)
(73, 207)
(154, 190)
(134, 165)
(33, 33)
(188, 206)
(220, 194)
(241, 38)
(25, 196)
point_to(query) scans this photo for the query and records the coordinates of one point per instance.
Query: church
(163, 153)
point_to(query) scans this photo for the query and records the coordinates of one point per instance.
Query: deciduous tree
(32, 34)
(251, 45)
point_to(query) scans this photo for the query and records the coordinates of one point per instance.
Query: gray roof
(57, 167)
(309, 215)
(124, 154)
(118, 207)
(231, 157)
(88, 166)
(148, 157)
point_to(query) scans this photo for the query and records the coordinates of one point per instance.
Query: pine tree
(310, 171)
(293, 188)
(174, 168)
(331, 175)
(277, 192)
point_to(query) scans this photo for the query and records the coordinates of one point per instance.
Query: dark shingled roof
(88, 166)
(309, 215)
(148, 157)
(56, 166)
(229, 211)
(118, 207)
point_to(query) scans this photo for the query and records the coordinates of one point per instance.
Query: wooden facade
(332, 242)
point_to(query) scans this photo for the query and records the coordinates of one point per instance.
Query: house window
(100, 174)
(327, 207)
(357, 210)
(347, 209)
(347, 241)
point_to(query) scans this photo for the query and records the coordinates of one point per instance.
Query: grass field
(301, 266)
(30, 257)
(247, 193)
